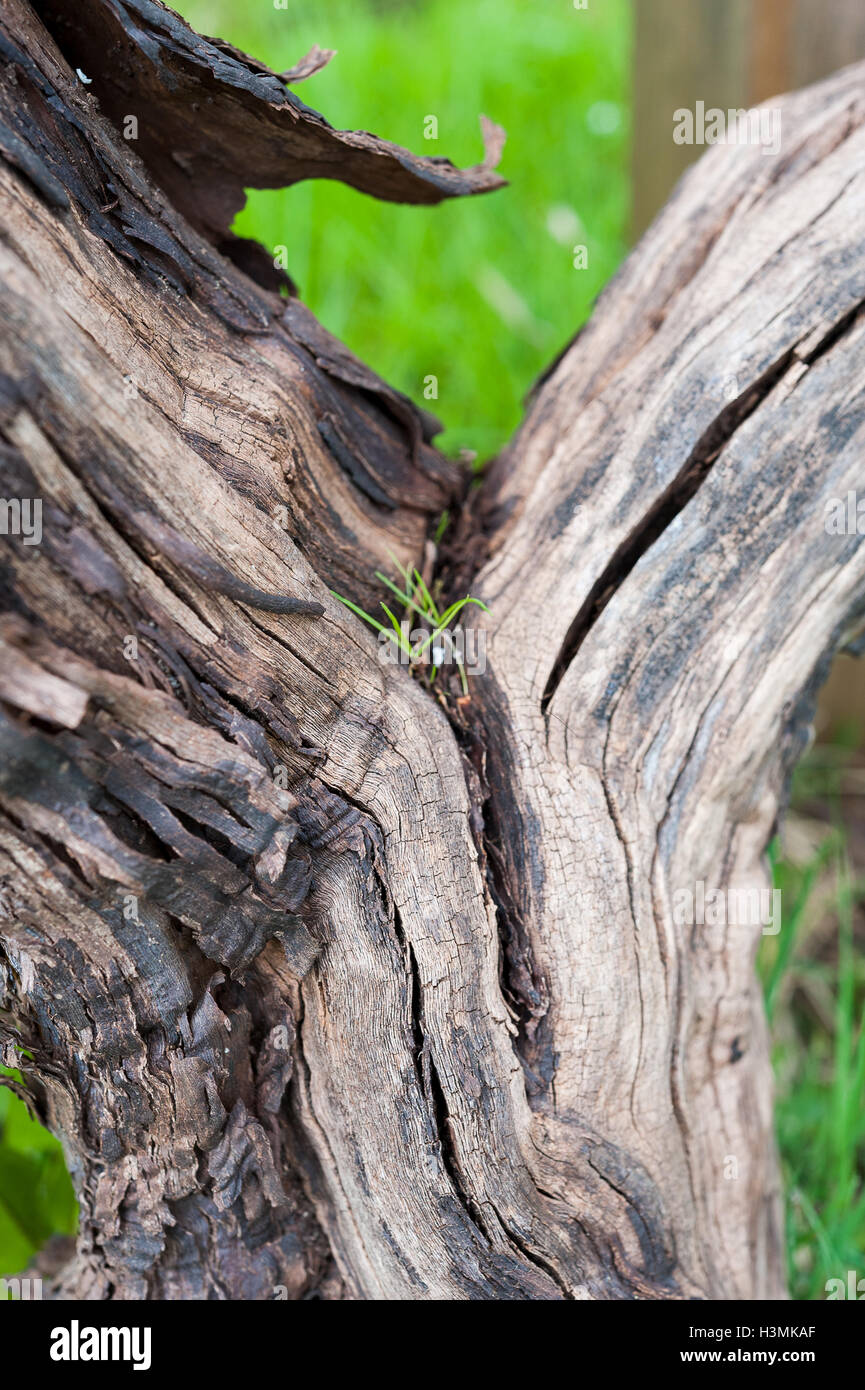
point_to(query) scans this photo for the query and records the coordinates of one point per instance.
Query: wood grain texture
(658, 686)
(331, 988)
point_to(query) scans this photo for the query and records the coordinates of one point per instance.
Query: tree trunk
(334, 985)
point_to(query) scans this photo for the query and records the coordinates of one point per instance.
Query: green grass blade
(405, 644)
(403, 598)
(456, 607)
(367, 617)
(430, 607)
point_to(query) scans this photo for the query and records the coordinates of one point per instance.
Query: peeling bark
(204, 106)
(331, 988)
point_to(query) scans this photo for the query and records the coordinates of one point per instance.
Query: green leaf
(448, 616)
(16, 1249)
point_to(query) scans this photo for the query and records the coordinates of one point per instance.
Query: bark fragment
(202, 106)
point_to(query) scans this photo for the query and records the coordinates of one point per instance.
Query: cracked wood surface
(330, 994)
(647, 705)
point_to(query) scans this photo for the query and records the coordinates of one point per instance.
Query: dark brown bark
(329, 986)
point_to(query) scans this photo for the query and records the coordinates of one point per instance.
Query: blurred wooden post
(685, 51)
(726, 53)
(733, 54)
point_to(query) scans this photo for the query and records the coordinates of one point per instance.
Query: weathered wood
(330, 987)
(734, 55)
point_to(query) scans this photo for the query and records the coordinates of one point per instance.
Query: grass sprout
(415, 597)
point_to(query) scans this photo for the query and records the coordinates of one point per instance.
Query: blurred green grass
(813, 973)
(36, 1196)
(482, 292)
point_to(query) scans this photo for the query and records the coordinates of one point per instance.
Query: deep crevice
(679, 493)
(450, 1162)
(660, 515)
(430, 1082)
(421, 1050)
(533, 1258)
